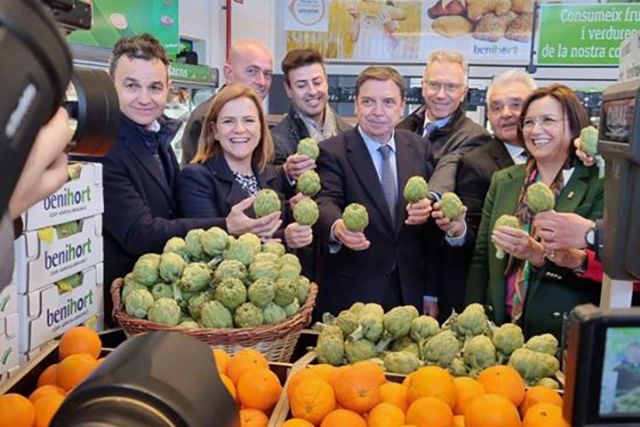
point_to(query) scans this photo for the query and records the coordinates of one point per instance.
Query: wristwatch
(590, 237)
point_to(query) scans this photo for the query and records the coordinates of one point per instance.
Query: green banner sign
(191, 73)
(584, 34)
(113, 19)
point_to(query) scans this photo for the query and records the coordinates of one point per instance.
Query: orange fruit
(80, 339)
(396, 394)
(46, 389)
(295, 379)
(16, 411)
(222, 359)
(323, 370)
(312, 399)
(432, 381)
(244, 360)
(46, 407)
(430, 412)
(259, 388)
(229, 385)
(505, 381)
(343, 418)
(253, 418)
(539, 394)
(458, 421)
(386, 415)
(74, 369)
(297, 422)
(335, 375)
(466, 389)
(491, 410)
(371, 369)
(358, 390)
(544, 415)
(48, 376)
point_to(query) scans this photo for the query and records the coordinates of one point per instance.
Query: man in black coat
(249, 63)
(505, 97)
(442, 120)
(370, 165)
(141, 171)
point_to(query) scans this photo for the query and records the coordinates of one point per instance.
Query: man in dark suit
(505, 98)
(141, 170)
(370, 165)
(442, 120)
(249, 63)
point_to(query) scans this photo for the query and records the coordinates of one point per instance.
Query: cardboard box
(8, 300)
(40, 263)
(9, 357)
(95, 322)
(78, 198)
(45, 314)
(630, 57)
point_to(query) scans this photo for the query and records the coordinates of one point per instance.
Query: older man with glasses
(442, 120)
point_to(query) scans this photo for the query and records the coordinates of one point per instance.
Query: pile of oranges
(79, 351)
(359, 396)
(251, 383)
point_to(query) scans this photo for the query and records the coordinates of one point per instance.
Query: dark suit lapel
(362, 164)
(150, 164)
(221, 170)
(501, 155)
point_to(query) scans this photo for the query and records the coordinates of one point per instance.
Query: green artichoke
(355, 217)
(423, 327)
(540, 198)
(451, 206)
(261, 292)
(507, 338)
(195, 277)
(308, 147)
(265, 202)
(196, 302)
(401, 362)
(145, 270)
(479, 353)
(441, 349)
(589, 140)
(291, 309)
(215, 315)
(161, 290)
(273, 313)
(545, 343)
(165, 311)
(171, 266)
(231, 293)
(330, 349)
(358, 350)
(230, 268)
(240, 251)
(274, 248)
(309, 183)
(178, 246)
(263, 270)
(214, 241)
(302, 290)
(505, 221)
(253, 240)
(415, 189)
(137, 303)
(285, 291)
(248, 316)
(306, 212)
(193, 245)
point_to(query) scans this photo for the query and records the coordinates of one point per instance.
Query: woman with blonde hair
(232, 164)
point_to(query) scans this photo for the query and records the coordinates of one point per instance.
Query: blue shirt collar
(372, 145)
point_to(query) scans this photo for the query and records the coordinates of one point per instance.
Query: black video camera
(37, 77)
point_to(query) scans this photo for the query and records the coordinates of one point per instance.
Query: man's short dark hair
(299, 58)
(141, 46)
(382, 74)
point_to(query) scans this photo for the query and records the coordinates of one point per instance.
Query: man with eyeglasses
(442, 120)
(250, 63)
(505, 98)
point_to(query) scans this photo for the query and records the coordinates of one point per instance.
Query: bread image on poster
(487, 20)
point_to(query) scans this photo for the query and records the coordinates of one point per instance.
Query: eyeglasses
(545, 122)
(435, 86)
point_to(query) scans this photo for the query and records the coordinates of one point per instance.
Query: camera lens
(92, 103)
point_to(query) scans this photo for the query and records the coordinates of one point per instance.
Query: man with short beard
(305, 82)
(505, 98)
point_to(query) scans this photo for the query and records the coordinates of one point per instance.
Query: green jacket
(553, 291)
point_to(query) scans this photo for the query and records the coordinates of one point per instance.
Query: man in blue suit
(140, 171)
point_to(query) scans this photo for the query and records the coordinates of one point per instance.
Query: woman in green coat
(531, 286)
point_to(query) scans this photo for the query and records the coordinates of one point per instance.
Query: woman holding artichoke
(232, 165)
(532, 286)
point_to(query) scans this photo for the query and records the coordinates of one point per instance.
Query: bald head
(250, 63)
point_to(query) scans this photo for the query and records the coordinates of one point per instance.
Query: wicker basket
(275, 341)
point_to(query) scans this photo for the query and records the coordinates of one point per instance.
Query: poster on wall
(407, 30)
(113, 19)
(585, 34)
